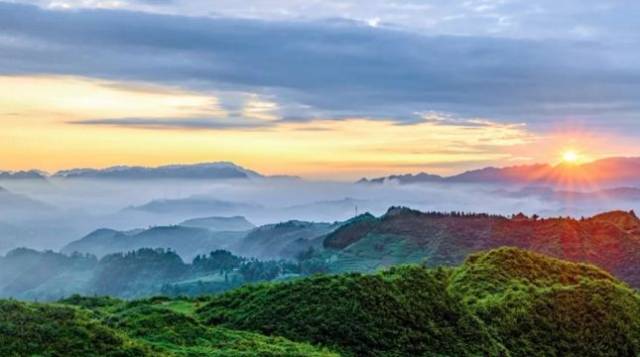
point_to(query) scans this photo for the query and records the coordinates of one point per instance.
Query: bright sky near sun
(297, 91)
(44, 115)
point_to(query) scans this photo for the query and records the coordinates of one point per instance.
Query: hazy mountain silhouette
(186, 241)
(216, 170)
(610, 171)
(235, 223)
(193, 205)
(13, 203)
(23, 175)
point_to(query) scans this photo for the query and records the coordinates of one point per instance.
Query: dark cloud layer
(339, 69)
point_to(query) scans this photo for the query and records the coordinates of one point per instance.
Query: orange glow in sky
(38, 131)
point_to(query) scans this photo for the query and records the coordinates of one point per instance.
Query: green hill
(502, 302)
(543, 306)
(610, 241)
(110, 327)
(403, 311)
(55, 330)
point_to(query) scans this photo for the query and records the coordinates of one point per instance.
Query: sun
(570, 157)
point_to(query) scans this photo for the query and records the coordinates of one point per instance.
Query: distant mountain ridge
(220, 224)
(283, 240)
(193, 204)
(23, 175)
(610, 171)
(215, 170)
(186, 241)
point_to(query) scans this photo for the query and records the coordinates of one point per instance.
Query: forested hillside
(32, 275)
(504, 302)
(610, 240)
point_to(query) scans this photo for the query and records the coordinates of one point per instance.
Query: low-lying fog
(47, 215)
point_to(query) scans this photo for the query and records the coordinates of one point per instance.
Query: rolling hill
(610, 241)
(500, 302)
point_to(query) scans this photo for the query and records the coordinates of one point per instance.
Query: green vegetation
(403, 311)
(543, 306)
(109, 327)
(503, 302)
(610, 241)
(170, 331)
(54, 330)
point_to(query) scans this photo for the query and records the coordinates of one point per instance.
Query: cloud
(174, 123)
(333, 69)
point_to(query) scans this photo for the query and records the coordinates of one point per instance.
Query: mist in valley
(49, 214)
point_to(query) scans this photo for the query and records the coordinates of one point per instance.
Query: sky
(320, 89)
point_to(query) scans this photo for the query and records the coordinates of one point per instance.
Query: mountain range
(217, 170)
(202, 171)
(365, 243)
(610, 171)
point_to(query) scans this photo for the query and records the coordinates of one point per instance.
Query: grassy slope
(403, 311)
(55, 330)
(542, 306)
(111, 327)
(170, 331)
